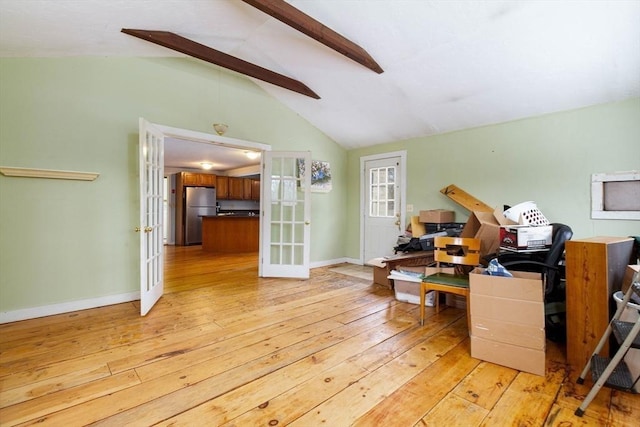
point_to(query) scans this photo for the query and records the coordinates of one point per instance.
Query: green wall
(64, 241)
(547, 159)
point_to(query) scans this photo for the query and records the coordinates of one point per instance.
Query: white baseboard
(325, 263)
(66, 307)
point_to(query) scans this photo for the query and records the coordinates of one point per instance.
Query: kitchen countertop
(233, 215)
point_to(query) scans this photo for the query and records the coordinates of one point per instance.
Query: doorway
(185, 150)
(382, 203)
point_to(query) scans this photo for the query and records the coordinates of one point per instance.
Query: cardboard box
(525, 237)
(630, 271)
(507, 320)
(513, 356)
(437, 216)
(486, 227)
(380, 276)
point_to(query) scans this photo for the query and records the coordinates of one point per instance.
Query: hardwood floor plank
(486, 384)
(409, 403)
(32, 390)
(371, 390)
(226, 346)
(250, 395)
(559, 417)
(528, 400)
(625, 409)
(291, 404)
(235, 370)
(41, 406)
(455, 411)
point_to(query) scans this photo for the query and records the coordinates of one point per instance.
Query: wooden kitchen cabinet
(207, 180)
(197, 179)
(246, 191)
(255, 189)
(222, 187)
(594, 271)
(236, 188)
(189, 178)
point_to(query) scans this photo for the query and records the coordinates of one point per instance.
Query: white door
(151, 156)
(382, 209)
(286, 214)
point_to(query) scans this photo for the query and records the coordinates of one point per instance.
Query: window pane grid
(382, 192)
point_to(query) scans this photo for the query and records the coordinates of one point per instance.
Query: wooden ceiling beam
(302, 22)
(189, 47)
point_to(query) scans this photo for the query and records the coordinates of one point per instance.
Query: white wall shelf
(48, 173)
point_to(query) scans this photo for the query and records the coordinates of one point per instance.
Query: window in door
(382, 191)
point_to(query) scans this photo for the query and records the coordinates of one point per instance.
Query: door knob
(148, 229)
(137, 229)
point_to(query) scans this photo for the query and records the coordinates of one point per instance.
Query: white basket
(526, 213)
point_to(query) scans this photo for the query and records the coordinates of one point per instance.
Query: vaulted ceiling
(448, 65)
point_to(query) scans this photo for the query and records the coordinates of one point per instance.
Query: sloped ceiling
(448, 65)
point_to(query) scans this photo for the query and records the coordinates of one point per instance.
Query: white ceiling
(449, 65)
(180, 154)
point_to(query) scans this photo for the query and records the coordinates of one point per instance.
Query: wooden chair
(459, 251)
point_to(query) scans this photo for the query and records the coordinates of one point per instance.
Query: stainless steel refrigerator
(198, 201)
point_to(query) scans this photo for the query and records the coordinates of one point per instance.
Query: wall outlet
(409, 208)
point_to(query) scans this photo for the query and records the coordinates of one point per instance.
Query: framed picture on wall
(320, 175)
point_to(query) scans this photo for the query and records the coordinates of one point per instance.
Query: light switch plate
(409, 208)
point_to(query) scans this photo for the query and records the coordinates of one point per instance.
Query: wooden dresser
(595, 268)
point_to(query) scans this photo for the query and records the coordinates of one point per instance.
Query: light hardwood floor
(224, 347)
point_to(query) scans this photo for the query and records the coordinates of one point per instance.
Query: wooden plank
(189, 47)
(372, 353)
(231, 371)
(565, 417)
(72, 397)
(302, 22)
(33, 390)
(528, 400)
(409, 403)
(485, 385)
(451, 409)
(375, 387)
(465, 199)
(345, 366)
(252, 395)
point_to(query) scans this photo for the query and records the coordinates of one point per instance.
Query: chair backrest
(457, 250)
(561, 233)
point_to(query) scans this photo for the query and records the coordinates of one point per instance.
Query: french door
(286, 214)
(151, 158)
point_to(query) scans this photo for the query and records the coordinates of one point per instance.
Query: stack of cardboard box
(507, 320)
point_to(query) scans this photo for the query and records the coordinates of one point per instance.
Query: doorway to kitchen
(201, 140)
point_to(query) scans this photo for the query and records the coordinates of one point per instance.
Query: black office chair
(550, 264)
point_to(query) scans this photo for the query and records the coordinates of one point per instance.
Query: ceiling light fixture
(220, 128)
(206, 165)
(252, 154)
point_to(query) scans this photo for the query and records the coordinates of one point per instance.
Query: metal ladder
(613, 372)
